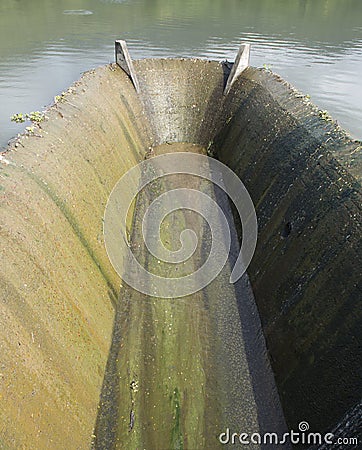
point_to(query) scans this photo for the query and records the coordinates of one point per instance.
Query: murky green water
(315, 44)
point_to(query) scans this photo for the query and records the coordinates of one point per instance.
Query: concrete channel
(86, 361)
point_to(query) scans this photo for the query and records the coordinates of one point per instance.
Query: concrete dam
(87, 361)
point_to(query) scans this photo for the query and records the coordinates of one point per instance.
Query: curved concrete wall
(182, 98)
(56, 280)
(59, 286)
(303, 175)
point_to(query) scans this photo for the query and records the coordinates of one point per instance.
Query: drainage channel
(182, 371)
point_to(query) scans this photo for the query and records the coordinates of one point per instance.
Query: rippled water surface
(315, 44)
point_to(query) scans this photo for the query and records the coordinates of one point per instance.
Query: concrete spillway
(83, 360)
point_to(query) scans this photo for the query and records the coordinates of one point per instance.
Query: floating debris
(77, 12)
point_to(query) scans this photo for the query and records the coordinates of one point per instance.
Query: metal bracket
(241, 63)
(123, 59)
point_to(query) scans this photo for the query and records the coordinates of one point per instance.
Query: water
(45, 45)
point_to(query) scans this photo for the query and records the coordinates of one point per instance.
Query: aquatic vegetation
(59, 98)
(30, 130)
(18, 118)
(34, 116)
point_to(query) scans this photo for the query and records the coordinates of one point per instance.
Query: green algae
(176, 433)
(187, 354)
(77, 230)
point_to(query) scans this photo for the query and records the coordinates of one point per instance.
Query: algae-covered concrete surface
(70, 336)
(58, 288)
(303, 174)
(185, 369)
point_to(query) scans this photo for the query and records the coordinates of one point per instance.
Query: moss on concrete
(303, 174)
(63, 343)
(57, 282)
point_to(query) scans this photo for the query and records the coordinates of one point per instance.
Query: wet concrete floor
(182, 370)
